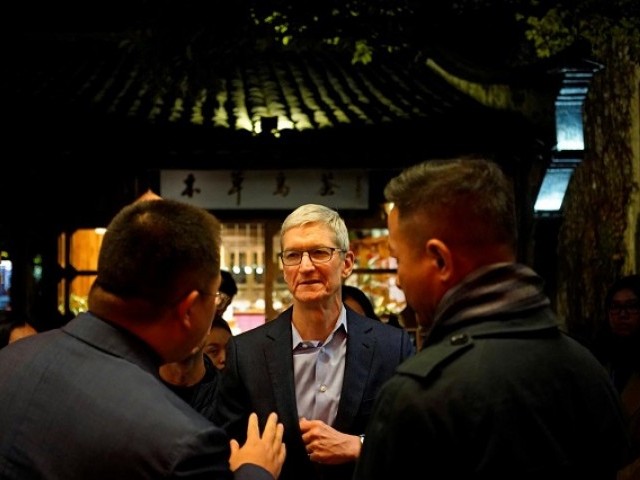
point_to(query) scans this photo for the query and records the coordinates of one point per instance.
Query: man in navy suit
(318, 365)
(86, 402)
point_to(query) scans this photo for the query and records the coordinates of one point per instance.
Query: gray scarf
(497, 292)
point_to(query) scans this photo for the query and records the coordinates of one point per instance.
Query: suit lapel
(360, 350)
(279, 366)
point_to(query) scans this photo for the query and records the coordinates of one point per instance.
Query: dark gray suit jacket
(258, 377)
(85, 402)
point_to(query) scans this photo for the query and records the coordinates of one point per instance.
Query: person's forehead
(625, 294)
(309, 234)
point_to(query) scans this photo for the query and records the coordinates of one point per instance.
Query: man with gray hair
(318, 365)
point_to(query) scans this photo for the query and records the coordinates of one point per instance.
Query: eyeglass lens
(317, 255)
(633, 307)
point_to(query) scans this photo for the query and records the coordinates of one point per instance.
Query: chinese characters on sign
(266, 189)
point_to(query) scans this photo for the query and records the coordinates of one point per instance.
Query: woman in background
(620, 354)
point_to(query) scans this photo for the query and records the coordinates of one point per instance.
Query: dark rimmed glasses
(631, 308)
(316, 255)
(219, 296)
(223, 300)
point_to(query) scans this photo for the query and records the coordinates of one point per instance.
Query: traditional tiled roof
(90, 85)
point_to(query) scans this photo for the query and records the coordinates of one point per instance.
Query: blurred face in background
(216, 346)
(624, 313)
(21, 331)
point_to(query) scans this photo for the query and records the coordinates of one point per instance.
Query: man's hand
(266, 451)
(327, 445)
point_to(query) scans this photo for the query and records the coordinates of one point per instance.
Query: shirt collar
(297, 339)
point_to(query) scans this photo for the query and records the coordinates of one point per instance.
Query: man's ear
(441, 256)
(349, 263)
(185, 306)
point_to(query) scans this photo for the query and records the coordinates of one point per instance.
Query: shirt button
(323, 388)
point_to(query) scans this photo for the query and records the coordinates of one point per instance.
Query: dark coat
(497, 394)
(86, 402)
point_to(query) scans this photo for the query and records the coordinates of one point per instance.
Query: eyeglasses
(219, 296)
(630, 308)
(316, 255)
(222, 299)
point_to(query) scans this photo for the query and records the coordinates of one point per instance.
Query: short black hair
(220, 322)
(153, 249)
(228, 284)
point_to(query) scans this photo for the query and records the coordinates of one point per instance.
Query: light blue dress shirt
(319, 372)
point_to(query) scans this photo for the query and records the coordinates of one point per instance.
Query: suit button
(459, 339)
